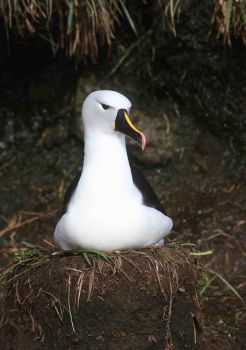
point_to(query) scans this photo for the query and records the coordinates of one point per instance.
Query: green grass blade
(204, 288)
(87, 259)
(226, 283)
(208, 252)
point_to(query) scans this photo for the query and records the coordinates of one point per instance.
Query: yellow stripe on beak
(123, 124)
(130, 123)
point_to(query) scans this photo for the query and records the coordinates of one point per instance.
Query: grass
(230, 19)
(75, 26)
(81, 27)
(172, 11)
(205, 281)
(69, 304)
(227, 284)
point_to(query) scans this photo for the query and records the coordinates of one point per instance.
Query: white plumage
(106, 211)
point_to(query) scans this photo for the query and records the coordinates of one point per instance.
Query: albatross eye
(104, 106)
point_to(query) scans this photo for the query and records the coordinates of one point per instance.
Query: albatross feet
(159, 244)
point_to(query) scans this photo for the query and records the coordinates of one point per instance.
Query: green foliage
(205, 281)
(91, 256)
(29, 254)
(227, 284)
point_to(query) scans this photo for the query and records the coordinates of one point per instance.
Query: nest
(145, 299)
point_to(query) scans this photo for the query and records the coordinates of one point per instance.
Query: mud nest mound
(145, 299)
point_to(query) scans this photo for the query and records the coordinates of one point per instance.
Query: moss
(29, 254)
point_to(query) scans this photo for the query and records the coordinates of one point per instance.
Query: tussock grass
(80, 27)
(230, 19)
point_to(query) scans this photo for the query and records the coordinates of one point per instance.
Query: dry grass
(81, 27)
(230, 19)
(78, 27)
(23, 218)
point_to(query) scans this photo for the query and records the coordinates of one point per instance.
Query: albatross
(110, 205)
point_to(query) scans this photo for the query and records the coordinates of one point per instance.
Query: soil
(199, 177)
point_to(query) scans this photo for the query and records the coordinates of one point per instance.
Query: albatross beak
(124, 125)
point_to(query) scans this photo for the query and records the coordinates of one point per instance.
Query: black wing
(149, 197)
(70, 191)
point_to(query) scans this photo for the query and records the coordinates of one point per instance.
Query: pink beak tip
(143, 142)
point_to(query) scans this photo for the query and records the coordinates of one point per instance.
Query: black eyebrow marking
(104, 106)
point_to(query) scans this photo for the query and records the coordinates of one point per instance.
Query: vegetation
(75, 26)
(80, 27)
(230, 19)
(181, 40)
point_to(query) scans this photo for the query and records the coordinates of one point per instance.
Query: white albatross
(110, 205)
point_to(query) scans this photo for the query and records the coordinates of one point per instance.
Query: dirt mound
(145, 299)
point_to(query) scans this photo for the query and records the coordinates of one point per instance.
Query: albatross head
(108, 111)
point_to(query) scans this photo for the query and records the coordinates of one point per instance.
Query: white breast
(106, 211)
